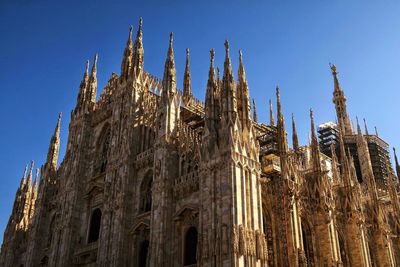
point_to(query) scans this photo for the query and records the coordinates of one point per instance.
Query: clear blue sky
(44, 44)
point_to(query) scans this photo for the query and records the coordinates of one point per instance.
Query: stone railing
(186, 184)
(144, 158)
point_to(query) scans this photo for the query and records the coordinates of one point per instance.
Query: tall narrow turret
(187, 83)
(282, 138)
(54, 147)
(243, 99)
(228, 94)
(315, 153)
(83, 87)
(138, 50)
(211, 103)
(366, 165)
(271, 114)
(168, 113)
(128, 56)
(92, 86)
(255, 117)
(339, 99)
(295, 139)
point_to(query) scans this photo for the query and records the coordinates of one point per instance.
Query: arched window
(145, 192)
(103, 145)
(307, 243)
(190, 247)
(94, 228)
(144, 248)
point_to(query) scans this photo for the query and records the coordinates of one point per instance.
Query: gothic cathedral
(153, 177)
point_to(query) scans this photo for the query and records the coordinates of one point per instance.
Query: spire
(92, 92)
(365, 163)
(344, 162)
(228, 103)
(255, 117)
(282, 140)
(187, 84)
(271, 114)
(83, 87)
(29, 181)
(315, 146)
(35, 182)
(335, 173)
(23, 179)
(397, 163)
(211, 102)
(169, 79)
(243, 98)
(54, 147)
(339, 99)
(127, 58)
(138, 50)
(295, 139)
(366, 127)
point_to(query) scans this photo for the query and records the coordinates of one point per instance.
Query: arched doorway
(190, 248)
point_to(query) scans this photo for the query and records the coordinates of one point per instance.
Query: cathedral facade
(154, 177)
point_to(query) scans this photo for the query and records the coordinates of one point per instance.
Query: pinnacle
(94, 67)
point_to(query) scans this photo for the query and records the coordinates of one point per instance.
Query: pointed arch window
(94, 228)
(190, 248)
(307, 243)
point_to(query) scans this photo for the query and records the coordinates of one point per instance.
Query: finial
(87, 67)
(358, 126)
(25, 171)
(240, 55)
(255, 117)
(212, 55)
(311, 116)
(333, 68)
(139, 31)
(94, 67)
(32, 165)
(295, 139)
(365, 126)
(30, 174)
(187, 53)
(130, 32)
(376, 131)
(271, 114)
(171, 38)
(226, 46)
